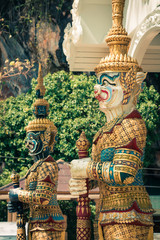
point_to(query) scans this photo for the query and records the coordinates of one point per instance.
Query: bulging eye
(31, 138)
(106, 82)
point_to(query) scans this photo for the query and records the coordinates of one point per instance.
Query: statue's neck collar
(117, 112)
(42, 155)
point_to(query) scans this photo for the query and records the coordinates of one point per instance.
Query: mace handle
(21, 234)
(83, 210)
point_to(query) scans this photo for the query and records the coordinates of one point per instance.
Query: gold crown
(41, 124)
(41, 110)
(118, 43)
(41, 102)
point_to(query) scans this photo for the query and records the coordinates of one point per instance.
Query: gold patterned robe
(117, 160)
(41, 195)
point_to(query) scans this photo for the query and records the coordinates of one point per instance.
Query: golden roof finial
(118, 42)
(117, 38)
(82, 145)
(15, 177)
(117, 12)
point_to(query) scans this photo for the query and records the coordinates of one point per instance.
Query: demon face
(108, 90)
(34, 143)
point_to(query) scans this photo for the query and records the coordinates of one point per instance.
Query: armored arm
(47, 175)
(122, 170)
(43, 186)
(128, 140)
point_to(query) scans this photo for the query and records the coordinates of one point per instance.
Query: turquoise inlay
(142, 158)
(128, 151)
(32, 186)
(110, 91)
(107, 76)
(53, 200)
(138, 179)
(56, 217)
(107, 154)
(111, 174)
(99, 81)
(124, 176)
(137, 182)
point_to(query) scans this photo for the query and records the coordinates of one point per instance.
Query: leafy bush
(72, 108)
(14, 112)
(5, 176)
(3, 211)
(148, 106)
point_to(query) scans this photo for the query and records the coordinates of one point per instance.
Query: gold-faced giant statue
(45, 218)
(116, 163)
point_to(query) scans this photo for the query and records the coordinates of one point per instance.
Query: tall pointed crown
(41, 110)
(118, 42)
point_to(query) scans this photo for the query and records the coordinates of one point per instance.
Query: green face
(34, 143)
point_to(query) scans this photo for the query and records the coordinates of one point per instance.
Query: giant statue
(45, 217)
(124, 211)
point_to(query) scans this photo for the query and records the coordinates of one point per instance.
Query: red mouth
(99, 98)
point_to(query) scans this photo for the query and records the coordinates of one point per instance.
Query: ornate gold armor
(117, 166)
(45, 217)
(41, 195)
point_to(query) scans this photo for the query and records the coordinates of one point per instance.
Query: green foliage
(14, 112)
(148, 106)
(72, 108)
(5, 176)
(17, 16)
(3, 211)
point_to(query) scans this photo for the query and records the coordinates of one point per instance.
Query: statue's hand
(79, 168)
(15, 207)
(12, 207)
(13, 194)
(77, 186)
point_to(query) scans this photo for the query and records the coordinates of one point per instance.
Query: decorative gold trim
(127, 217)
(124, 200)
(40, 124)
(105, 171)
(117, 176)
(118, 42)
(82, 143)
